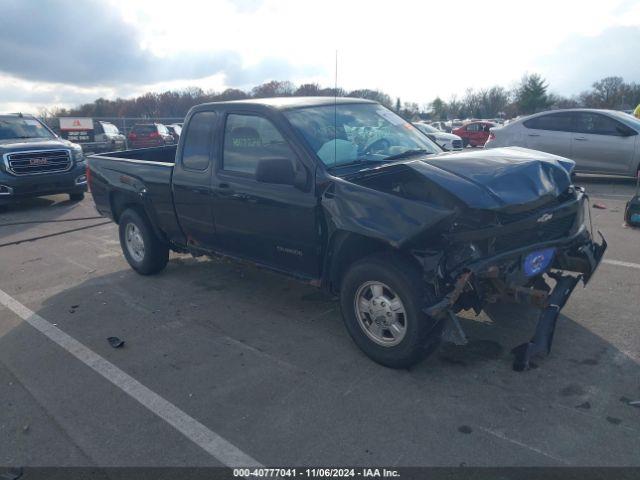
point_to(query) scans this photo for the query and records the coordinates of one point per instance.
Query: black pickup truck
(348, 196)
(36, 162)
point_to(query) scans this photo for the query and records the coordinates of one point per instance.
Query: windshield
(17, 127)
(110, 128)
(358, 133)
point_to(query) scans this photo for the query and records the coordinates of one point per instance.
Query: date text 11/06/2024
(316, 472)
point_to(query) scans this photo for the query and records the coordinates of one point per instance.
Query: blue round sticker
(537, 262)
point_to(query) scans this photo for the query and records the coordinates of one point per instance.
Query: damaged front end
(509, 260)
(504, 225)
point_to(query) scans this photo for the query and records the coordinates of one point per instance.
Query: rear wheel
(381, 298)
(142, 248)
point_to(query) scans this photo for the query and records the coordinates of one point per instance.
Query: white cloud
(412, 49)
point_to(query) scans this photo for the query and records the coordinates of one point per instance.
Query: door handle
(581, 139)
(225, 190)
(534, 134)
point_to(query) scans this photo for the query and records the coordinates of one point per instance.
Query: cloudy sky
(63, 52)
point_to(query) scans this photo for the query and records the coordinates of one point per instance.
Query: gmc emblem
(38, 161)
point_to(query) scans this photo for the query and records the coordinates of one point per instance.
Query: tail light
(154, 135)
(132, 136)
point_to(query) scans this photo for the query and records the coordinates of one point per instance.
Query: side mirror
(280, 171)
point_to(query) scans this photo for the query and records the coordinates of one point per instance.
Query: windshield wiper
(409, 153)
(358, 162)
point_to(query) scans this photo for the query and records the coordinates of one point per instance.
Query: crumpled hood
(496, 178)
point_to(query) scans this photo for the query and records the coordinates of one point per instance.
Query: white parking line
(208, 440)
(621, 264)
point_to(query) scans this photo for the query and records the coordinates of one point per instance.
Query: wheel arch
(121, 201)
(346, 248)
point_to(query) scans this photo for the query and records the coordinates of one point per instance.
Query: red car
(474, 133)
(144, 135)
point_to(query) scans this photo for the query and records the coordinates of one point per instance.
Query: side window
(597, 124)
(472, 128)
(248, 139)
(560, 122)
(196, 151)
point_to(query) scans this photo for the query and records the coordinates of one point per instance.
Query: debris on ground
(614, 420)
(115, 342)
(584, 406)
(600, 206)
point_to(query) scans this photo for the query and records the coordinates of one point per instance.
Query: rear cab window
(198, 142)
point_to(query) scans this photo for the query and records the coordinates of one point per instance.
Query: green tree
(374, 95)
(439, 109)
(531, 94)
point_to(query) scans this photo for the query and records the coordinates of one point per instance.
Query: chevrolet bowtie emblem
(545, 218)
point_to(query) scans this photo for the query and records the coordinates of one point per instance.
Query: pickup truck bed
(146, 183)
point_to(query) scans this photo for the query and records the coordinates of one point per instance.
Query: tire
(465, 142)
(76, 197)
(402, 279)
(135, 232)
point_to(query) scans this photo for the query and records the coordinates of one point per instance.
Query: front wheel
(381, 299)
(142, 248)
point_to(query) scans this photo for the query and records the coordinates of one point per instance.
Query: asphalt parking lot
(263, 365)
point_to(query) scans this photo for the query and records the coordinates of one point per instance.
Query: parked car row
(37, 160)
(599, 141)
(98, 136)
(446, 141)
(146, 135)
(94, 135)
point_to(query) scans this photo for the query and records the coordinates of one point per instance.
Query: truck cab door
(191, 182)
(267, 222)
